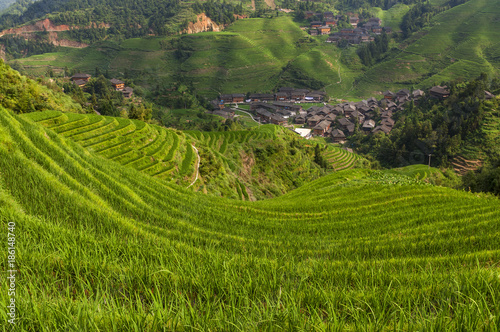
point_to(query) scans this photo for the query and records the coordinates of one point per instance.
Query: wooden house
(440, 92)
(314, 120)
(81, 77)
(353, 20)
(389, 95)
(127, 92)
(324, 30)
(331, 21)
(301, 119)
(316, 24)
(389, 122)
(238, 97)
(338, 136)
(381, 129)
(299, 94)
(226, 99)
(282, 96)
(321, 128)
(117, 84)
(368, 125)
(80, 83)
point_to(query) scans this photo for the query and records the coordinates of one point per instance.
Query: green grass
(251, 54)
(392, 17)
(104, 247)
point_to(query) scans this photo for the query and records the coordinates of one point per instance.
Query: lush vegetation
(261, 163)
(442, 129)
(104, 247)
(373, 51)
(18, 47)
(23, 95)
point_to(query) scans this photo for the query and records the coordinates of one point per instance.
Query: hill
(256, 54)
(260, 163)
(459, 44)
(100, 246)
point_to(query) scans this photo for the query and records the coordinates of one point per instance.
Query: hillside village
(362, 31)
(81, 79)
(336, 122)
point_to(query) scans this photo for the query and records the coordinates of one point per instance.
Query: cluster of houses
(324, 22)
(339, 121)
(371, 115)
(81, 80)
(283, 94)
(355, 35)
(359, 35)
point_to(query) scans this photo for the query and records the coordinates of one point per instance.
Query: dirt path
(270, 3)
(242, 110)
(197, 166)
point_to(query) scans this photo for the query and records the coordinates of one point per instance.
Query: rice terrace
(250, 165)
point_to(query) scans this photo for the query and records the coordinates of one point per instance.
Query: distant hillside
(261, 55)
(460, 43)
(100, 246)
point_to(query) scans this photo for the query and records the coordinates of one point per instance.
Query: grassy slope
(248, 56)
(460, 44)
(104, 247)
(259, 162)
(251, 53)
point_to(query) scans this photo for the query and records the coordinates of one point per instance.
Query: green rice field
(100, 246)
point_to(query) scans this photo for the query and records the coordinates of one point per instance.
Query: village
(81, 79)
(336, 122)
(361, 31)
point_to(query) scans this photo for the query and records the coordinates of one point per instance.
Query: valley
(265, 165)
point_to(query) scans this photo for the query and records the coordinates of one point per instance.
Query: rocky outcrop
(28, 32)
(40, 26)
(203, 23)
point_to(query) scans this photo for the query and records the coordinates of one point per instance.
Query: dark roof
(382, 128)
(441, 90)
(128, 90)
(79, 82)
(80, 75)
(403, 92)
(322, 125)
(238, 95)
(389, 93)
(345, 122)
(337, 133)
(388, 122)
(116, 81)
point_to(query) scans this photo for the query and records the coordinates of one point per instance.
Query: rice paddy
(105, 247)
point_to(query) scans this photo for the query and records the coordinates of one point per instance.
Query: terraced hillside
(151, 149)
(250, 55)
(340, 159)
(103, 247)
(460, 43)
(248, 165)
